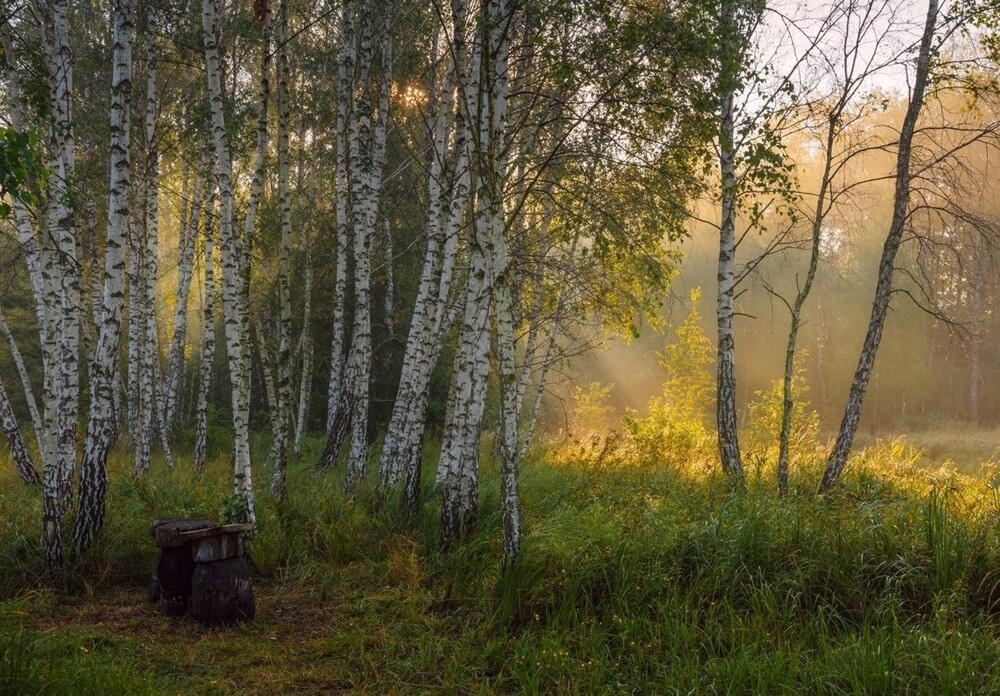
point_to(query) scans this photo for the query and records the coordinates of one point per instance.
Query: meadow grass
(635, 578)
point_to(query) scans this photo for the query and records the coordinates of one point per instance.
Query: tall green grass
(635, 578)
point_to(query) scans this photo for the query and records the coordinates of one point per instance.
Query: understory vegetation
(637, 577)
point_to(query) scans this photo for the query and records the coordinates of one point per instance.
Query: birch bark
(795, 322)
(365, 195)
(102, 431)
(345, 107)
(365, 140)
(59, 272)
(278, 487)
(458, 469)
(234, 254)
(135, 328)
(150, 379)
(883, 288)
(15, 443)
(729, 446)
(267, 372)
(185, 272)
(447, 206)
(499, 15)
(307, 355)
(388, 299)
(22, 372)
(393, 460)
(208, 336)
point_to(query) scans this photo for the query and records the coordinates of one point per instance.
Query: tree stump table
(201, 569)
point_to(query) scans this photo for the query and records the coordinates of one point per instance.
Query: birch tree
(458, 469)
(22, 372)
(101, 424)
(843, 61)
(336, 406)
(143, 302)
(59, 280)
(306, 343)
(208, 333)
(737, 24)
(884, 285)
(284, 405)
(234, 251)
(499, 15)
(185, 272)
(447, 200)
(365, 159)
(15, 442)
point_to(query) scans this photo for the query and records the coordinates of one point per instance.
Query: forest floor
(637, 578)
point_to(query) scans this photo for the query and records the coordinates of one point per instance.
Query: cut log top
(166, 533)
(218, 530)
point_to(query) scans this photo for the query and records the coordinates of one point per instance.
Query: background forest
(585, 347)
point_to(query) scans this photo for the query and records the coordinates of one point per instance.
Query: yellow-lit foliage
(675, 429)
(760, 435)
(592, 410)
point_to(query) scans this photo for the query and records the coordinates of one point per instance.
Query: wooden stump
(201, 570)
(221, 592)
(172, 577)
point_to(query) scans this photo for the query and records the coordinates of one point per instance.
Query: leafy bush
(760, 435)
(675, 428)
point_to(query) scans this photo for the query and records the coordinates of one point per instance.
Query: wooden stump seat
(201, 570)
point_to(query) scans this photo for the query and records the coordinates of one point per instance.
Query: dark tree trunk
(883, 289)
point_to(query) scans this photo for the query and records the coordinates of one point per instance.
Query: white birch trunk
(345, 107)
(138, 398)
(22, 372)
(492, 184)
(401, 452)
(393, 463)
(729, 446)
(278, 487)
(15, 443)
(267, 372)
(59, 271)
(529, 418)
(135, 329)
(185, 271)
(208, 338)
(458, 470)
(307, 356)
(233, 278)
(388, 299)
(150, 380)
(365, 197)
(305, 344)
(102, 430)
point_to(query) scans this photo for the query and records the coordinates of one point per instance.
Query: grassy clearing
(637, 578)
